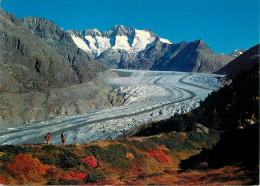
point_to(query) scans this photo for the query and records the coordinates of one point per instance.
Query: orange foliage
(133, 183)
(160, 156)
(105, 182)
(52, 171)
(2, 180)
(136, 170)
(79, 176)
(25, 168)
(129, 156)
(90, 160)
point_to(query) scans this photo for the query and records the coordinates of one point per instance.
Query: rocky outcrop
(201, 129)
(43, 74)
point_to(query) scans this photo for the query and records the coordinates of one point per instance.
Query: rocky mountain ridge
(243, 62)
(43, 74)
(130, 48)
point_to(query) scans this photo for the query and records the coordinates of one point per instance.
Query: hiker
(48, 138)
(62, 138)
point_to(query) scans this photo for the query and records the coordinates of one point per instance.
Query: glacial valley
(148, 95)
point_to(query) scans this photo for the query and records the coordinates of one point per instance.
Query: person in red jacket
(62, 138)
(48, 138)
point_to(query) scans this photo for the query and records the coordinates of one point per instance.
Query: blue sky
(225, 25)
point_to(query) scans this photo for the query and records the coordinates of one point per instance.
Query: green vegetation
(113, 154)
(12, 149)
(95, 176)
(139, 158)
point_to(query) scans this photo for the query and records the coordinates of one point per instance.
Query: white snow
(141, 40)
(92, 42)
(150, 95)
(103, 43)
(165, 41)
(99, 44)
(121, 43)
(80, 43)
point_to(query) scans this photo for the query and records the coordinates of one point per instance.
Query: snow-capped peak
(165, 41)
(238, 52)
(117, 38)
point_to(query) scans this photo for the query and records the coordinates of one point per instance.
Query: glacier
(150, 96)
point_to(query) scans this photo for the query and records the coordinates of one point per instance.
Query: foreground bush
(26, 168)
(160, 156)
(90, 161)
(95, 177)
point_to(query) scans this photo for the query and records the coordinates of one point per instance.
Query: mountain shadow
(236, 147)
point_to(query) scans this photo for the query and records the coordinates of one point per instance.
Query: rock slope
(43, 74)
(244, 62)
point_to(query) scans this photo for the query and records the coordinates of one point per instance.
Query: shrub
(48, 159)
(90, 161)
(69, 182)
(125, 141)
(52, 171)
(160, 156)
(187, 145)
(52, 182)
(173, 143)
(62, 158)
(95, 177)
(78, 176)
(208, 139)
(129, 156)
(88, 152)
(67, 161)
(2, 180)
(11, 149)
(25, 168)
(113, 155)
(194, 136)
(145, 145)
(166, 142)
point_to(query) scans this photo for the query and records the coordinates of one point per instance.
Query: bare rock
(201, 129)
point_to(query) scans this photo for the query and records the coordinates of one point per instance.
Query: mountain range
(129, 48)
(43, 74)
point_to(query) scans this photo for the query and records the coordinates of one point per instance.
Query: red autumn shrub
(2, 180)
(79, 176)
(90, 160)
(136, 170)
(133, 183)
(51, 171)
(160, 156)
(26, 168)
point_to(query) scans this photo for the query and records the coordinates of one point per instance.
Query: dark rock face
(244, 62)
(187, 57)
(43, 74)
(130, 48)
(62, 43)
